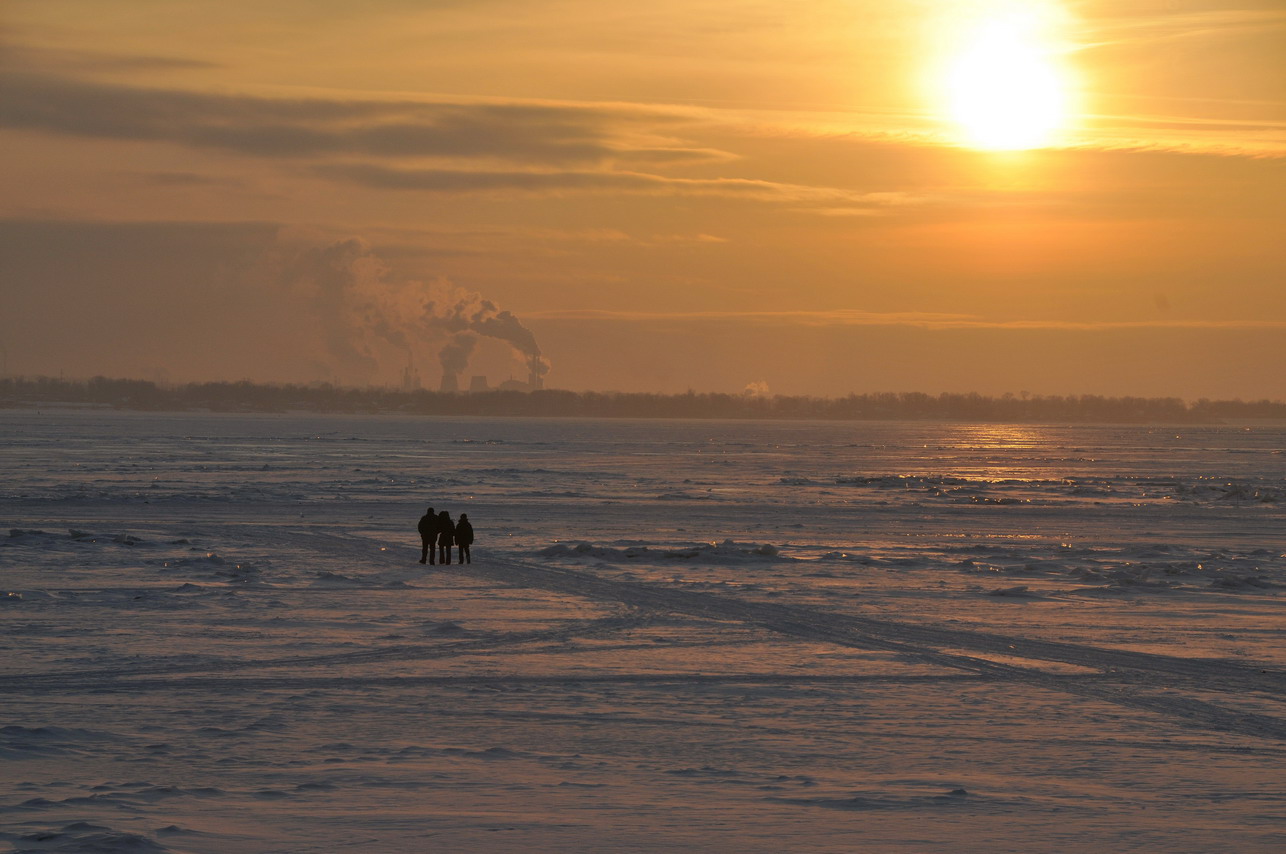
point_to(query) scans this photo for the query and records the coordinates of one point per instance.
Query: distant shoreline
(247, 397)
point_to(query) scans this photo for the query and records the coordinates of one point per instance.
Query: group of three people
(438, 533)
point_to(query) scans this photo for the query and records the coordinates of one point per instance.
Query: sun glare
(1006, 88)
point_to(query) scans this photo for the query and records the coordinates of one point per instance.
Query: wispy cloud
(525, 132)
(69, 61)
(1184, 25)
(924, 320)
(184, 179)
(553, 182)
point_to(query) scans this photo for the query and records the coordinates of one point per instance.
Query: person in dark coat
(464, 537)
(446, 536)
(428, 528)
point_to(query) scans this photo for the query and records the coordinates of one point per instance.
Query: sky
(1081, 197)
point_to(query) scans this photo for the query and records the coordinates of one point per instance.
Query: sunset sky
(813, 197)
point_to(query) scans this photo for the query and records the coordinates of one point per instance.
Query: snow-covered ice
(713, 636)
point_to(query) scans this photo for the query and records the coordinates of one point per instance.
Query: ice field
(675, 636)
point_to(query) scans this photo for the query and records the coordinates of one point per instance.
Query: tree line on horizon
(245, 396)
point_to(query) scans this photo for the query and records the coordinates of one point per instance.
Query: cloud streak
(1187, 25)
(923, 320)
(279, 127)
(93, 61)
(466, 181)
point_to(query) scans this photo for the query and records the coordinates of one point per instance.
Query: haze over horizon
(991, 196)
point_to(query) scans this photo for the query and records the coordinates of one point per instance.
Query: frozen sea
(675, 636)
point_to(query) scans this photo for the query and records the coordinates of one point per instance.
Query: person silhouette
(446, 536)
(464, 537)
(428, 529)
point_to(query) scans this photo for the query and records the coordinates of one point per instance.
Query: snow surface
(713, 636)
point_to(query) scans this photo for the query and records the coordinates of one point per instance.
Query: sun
(1005, 86)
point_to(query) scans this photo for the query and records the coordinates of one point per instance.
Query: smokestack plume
(469, 312)
(455, 358)
(365, 312)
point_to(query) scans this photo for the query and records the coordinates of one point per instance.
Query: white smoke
(362, 307)
(455, 354)
(460, 311)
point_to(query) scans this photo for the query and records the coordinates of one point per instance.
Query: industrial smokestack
(410, 376)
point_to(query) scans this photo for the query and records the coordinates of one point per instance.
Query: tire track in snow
(916, 640)
(920, 641)
(1120, 667)
(221, 684)
(883, 633)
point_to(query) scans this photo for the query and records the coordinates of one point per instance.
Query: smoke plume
(362, 307)
(467, 311)
(454, 357)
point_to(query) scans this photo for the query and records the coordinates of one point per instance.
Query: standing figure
(428, 528)
(464, 537)
(446, 536)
